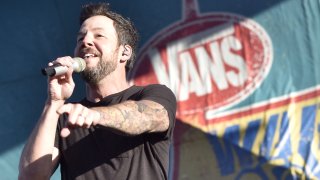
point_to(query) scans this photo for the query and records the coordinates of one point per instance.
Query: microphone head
(79, 64)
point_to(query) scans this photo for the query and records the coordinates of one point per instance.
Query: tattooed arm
(135, 117)
(127, 118)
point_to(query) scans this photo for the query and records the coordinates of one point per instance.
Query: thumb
(66, 108)
(65, 132)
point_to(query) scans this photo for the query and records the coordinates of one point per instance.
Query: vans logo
(210, 61)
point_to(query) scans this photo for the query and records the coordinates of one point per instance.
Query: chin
(90, 65)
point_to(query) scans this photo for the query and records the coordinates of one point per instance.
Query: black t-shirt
(98, 153)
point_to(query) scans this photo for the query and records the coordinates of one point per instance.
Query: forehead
(98, 23)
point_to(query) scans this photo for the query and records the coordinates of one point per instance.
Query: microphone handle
(57, 69)
(54, 70)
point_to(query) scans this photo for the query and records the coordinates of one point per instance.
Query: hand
(61, 87)
(78, 116)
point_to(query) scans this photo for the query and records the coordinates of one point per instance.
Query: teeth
(88, 55)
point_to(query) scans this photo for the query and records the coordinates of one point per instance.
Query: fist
(79, 116)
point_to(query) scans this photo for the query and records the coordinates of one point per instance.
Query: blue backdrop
(32, 33)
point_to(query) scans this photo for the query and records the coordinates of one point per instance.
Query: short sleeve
(164, 96)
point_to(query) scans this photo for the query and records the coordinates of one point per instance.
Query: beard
(95, 74)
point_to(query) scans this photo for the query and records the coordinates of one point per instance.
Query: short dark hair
(126, 31)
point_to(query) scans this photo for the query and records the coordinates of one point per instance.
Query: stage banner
(247, 89)
(245, 75)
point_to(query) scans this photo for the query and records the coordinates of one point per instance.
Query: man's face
(97, 44)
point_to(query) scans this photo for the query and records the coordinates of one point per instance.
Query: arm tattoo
(135, 117)
(141, 107)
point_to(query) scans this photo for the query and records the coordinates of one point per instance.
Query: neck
(107, 86)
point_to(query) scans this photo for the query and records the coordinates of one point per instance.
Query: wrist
(52, 102)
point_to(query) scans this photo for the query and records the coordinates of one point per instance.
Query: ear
(126, 53)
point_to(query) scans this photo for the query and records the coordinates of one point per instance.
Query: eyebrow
(94, 29)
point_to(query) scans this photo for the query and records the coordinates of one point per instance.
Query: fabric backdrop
(244, 73)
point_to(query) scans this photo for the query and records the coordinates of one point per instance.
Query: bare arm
(127, 118)
(39, 156)
(135, 117)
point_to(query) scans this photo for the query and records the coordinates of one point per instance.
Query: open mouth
(88, 55)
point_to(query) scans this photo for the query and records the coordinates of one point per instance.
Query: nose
(87, 40)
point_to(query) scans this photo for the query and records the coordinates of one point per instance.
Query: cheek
(76, 51)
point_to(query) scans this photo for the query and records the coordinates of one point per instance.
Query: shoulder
(160, 94)
(157, 90)
(157, 87)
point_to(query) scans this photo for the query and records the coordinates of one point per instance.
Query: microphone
(78, 65)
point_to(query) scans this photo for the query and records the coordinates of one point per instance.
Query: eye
(79, 38)
(100, 36)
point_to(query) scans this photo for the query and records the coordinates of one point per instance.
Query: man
(118, 131)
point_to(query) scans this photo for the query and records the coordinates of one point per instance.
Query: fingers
(79, 116)
(67, 62)
(64, 61)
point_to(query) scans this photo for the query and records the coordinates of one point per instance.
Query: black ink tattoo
(136, 117)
